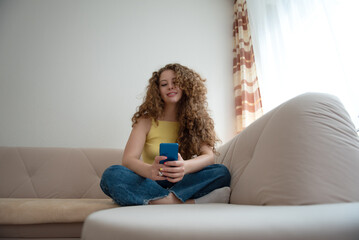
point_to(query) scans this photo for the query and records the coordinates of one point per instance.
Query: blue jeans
(127, 188)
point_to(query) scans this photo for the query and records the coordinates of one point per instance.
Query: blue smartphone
(170, 150)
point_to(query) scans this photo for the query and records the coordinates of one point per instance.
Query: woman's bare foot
(170, 199)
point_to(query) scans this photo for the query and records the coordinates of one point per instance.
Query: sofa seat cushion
(38, 211)
(225, 221)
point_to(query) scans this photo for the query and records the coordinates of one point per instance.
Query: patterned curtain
(246, 89)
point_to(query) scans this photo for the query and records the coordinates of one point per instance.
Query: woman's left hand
(174, 170)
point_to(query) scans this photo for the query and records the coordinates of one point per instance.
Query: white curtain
(306, 46)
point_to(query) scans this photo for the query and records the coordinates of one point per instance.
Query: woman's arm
(175, 170)
(133, 151)
(196, 164)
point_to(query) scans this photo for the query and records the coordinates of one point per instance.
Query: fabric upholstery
(225, 221)
(58, 231)
(306, 151)
(54, 172)
(40, 211)
(51, 189)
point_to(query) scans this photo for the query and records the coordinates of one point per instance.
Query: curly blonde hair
(196, 126)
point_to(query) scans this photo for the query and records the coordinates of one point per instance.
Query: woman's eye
(163, 85)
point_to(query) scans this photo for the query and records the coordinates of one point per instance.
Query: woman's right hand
(156, 169)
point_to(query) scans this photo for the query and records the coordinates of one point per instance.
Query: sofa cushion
(27, 172)
(38, 211)
(306, 151)
(225, 221)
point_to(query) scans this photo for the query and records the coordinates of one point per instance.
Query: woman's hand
(156, 172)
(174, 171)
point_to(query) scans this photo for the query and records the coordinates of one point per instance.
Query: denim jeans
(127, 188)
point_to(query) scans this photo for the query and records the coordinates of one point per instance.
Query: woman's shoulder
(144, 123)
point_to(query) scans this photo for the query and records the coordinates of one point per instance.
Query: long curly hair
(196, 126)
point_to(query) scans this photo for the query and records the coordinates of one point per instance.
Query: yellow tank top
(165, 132)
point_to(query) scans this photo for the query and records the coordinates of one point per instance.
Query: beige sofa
(294, 176)
(48, 192)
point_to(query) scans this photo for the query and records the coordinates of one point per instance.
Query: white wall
(73, 72)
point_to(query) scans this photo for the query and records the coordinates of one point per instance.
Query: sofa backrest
(305, 151)
(54, 172)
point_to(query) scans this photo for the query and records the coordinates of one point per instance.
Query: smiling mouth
(171, 94)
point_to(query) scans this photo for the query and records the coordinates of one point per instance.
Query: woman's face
(170, 93)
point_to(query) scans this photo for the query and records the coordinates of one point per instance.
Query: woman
(174, 110)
